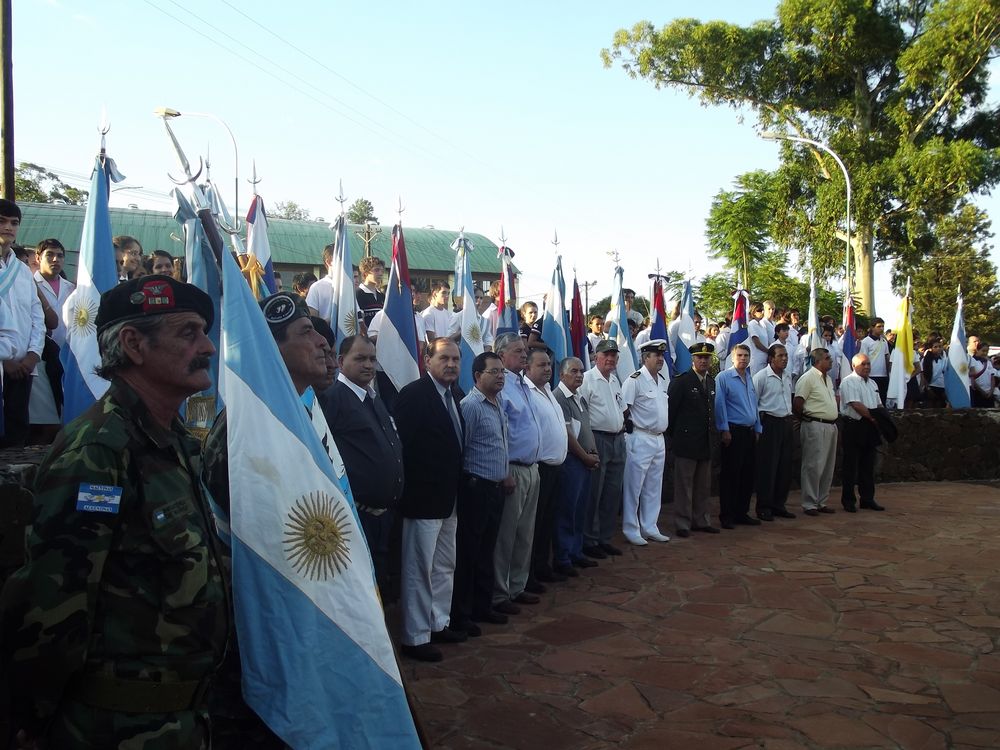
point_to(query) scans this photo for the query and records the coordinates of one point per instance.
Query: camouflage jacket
(124, 576)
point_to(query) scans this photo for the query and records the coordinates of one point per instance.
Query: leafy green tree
(361, 211)
(898, 88)
(289, 210)
(38, 185)
(602, 307)
(738, 224)
(961, 258)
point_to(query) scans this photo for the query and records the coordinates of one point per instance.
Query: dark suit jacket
(432, 454)
(691, 416)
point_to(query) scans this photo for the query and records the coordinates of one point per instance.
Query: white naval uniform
(646, 452)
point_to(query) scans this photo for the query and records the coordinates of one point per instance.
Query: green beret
(152, 295)
(606, 345)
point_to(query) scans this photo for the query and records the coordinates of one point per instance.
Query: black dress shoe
(747, 521)
(549, 577)
(850, 508)
(610, 549)
(765, 515)
(423, 652)
(783, 513)
(827, 511)
(683, 533)
(507, 608)
(706, 529)
(471, 629)
(811, 512)
(595, 552)
(448, 635)
(727, 524)
(583, 562)
(525, 598)
(493, 617)
(872, 506)
(534, 587)
(566, 570)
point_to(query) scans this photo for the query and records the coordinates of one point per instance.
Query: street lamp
(167, 112)
(772, 136)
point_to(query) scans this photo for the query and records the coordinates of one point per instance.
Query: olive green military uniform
(113, 628)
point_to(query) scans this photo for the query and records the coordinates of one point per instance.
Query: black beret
(283, 309)
(324, 330)
(152, 295)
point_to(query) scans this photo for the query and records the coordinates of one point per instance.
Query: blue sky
(475, 115)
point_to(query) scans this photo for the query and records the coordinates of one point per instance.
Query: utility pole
(7, 103)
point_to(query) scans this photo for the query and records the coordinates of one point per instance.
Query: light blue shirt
(485, 453)
(525, 432)
(735, 401)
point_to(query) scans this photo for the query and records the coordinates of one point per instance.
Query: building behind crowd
(295, 245)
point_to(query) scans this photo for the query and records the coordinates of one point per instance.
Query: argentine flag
(344, 310)
(686, 333)
(555, 331)
(956, 375)
(471, 343)
(318, 665)
(96, 274)
(814, 336)
(628, 360)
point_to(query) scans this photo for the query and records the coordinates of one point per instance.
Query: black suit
(432, 453)
(691, 424)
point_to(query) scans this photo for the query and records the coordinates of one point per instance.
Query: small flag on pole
(259, 249)
(956, 375)
(96, 274)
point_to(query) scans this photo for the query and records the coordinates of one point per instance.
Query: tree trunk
(864, 270)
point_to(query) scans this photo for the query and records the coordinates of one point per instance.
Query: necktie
(450, 404)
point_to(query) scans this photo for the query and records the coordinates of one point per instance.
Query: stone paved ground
(869, 630)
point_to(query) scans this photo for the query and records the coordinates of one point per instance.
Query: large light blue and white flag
(956, 376)
(555, 327)
(471, 343)
(318, 664)
(814, 337)
(96, 274)
(203, 272)
(628, 360)
(344, 310)
(686, 335)
(259, 250)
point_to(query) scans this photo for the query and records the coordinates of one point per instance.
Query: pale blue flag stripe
(471, 343)
(956, 375)
(555, 330)
(628, 360)
(318, 664)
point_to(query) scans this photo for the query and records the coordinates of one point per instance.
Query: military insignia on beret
(317, 536)
(156, 296)
(279, 309)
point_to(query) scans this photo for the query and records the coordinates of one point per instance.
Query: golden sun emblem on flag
(81, 318)
(474, 333)
(351, 323)
(317, 537)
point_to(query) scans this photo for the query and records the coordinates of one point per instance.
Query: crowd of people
(472, 503)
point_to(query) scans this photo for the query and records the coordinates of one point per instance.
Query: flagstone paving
(872, 630)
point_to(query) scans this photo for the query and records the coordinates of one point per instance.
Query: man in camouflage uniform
(113, 628)
(303, 349)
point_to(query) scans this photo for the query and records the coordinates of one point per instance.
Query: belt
(138, 696)
(474, 479)
(648, 432)
(768, 415)
(740, 426)
(817, 419)
(370, 511)
(606, 432)
(521, 463)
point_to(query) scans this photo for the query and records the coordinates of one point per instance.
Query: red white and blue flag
(658, 325)
(259, 249)
(398, 349)
(578, 328)
(849, 343)
(507, 297)
(738, 327)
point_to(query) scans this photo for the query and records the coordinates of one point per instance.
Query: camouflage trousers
(83, 727)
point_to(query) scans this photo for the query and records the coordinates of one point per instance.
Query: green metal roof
(297, 243)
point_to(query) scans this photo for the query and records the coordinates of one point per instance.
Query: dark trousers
(883, 387)
(545, 520)
(571, 510)
(605, 501)
(736, 475)
(480, 505)
(860, 440)
(16, 394)
(378, 532)
(979, 401)
(774, 463)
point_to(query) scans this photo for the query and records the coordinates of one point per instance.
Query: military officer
(113, 627)
(645, 394)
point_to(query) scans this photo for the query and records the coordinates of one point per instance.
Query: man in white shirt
(46, 391)
(438, 319)
(858, 398)
(320, 297)
(603, 394)
(875, 346)
(981, 374)
(769, 321)
(774, 449)
(645, 394)
(759, 338)
(17, 289)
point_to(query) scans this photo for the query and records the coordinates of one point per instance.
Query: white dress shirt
(26, 318)
(646, 398)
(554, 441)
(857, 389)
(878, 352)
(604, 397)
(758, 359)
(774, 392)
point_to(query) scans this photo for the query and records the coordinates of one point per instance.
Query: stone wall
(944, 445)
